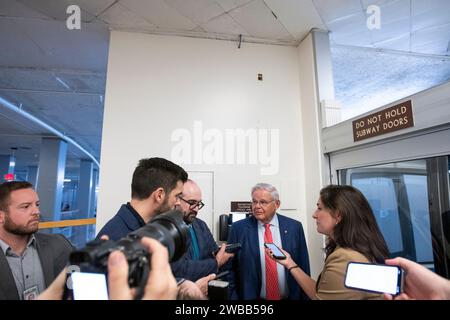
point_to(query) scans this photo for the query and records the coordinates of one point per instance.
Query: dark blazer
(125, 221)
(193, 270)
(245, 278)
(53, 250)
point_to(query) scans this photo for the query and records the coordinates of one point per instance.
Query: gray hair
(268, 187)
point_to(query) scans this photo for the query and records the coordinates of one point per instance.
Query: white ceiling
(59, 75)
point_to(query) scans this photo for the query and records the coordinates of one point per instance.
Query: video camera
(168, 228)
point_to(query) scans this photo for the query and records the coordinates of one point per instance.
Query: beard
(164, 206)
(189, 216)
(19, 230)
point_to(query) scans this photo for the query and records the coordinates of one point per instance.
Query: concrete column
(7, 165)
(52, 164)
(316, 85)
(32, 175)
(85, 187)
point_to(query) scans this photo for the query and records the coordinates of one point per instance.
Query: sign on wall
(389, 120)
(241, 206)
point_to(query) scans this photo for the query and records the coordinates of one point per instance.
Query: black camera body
(168, 228)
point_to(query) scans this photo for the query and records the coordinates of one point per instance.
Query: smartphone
(230, 248)
(89, 286)
(277, 254)
(221, 274)
(374, 278)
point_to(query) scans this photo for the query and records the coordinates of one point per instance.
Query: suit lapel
(46, 258)
(252, 230)
(284, 234)
(8, 289)
(285, 238)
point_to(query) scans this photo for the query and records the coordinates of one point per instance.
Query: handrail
(67, 223)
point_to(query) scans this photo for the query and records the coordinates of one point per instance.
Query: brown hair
(7, 188)
(357, 228)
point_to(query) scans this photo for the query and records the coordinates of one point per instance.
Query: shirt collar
(6, 248)
(31, 241)
(273, 222)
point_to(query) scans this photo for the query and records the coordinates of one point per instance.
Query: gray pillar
(52, 164)
(32, 175)
(85, 185)
(7, 164)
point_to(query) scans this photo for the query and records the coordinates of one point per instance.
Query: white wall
(157, 84)
(314, 173)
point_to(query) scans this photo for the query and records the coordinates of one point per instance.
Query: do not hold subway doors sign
(388, 120)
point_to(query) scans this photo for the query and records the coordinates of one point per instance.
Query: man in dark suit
(254, 275)
(29, 261)
(155, 188)
(199, 261)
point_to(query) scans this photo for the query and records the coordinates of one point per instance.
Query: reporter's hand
(288, 262)
(419, 282)
(161, 284)
(202, 283)
(189, 290)
(56, 289)
(222, 256)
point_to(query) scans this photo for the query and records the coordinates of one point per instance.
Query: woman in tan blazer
(344, 216)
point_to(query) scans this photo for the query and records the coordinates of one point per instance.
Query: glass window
(398, 195)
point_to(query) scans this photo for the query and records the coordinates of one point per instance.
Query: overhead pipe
(44, 125)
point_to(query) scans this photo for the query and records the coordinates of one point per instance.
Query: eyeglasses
(262, 203)
(193, 203)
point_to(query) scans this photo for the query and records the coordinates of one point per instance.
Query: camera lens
(169, 229)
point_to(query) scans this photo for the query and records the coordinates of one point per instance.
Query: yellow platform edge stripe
(66, 223)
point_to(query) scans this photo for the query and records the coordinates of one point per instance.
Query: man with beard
(199, 261)
(29, 261)
(155, 188)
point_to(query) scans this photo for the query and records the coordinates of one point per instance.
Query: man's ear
(277, 204)
(159, 195)
(2, 216)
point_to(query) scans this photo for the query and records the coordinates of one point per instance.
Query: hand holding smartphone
(374, 278)
(276, 252)
(230, 248)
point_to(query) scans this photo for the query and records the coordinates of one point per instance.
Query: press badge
(31, 294)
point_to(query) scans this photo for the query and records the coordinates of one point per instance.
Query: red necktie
(272, 290)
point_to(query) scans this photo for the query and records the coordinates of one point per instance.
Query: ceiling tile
(56, 9)
(198, 11)
(228, 5)
(432, 40)
(257, 19)
(430, 14)
(93, 7)
(298, 16)
(159, 13)
(53, 45)
(121, 16)
(12, 8)
(350, 31)
(337, 9)
(224, 24)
